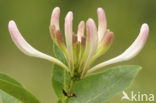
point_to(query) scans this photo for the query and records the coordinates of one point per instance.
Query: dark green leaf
(4, 97)
(100, 87)
(13, 88)
(60, 78)
(59, 101)
(9, 79)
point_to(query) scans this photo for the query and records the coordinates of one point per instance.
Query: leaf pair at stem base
(94, 88)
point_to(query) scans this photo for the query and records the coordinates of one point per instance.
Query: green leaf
(60, 78)
(13, 88)
(9, 79)
(1, 101)
(6, 98)
(100, 87)
(59, 101)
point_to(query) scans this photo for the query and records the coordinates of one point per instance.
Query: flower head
(79, 50)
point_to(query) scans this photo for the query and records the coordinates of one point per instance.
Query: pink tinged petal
(55, 18)
(75, 40)
(80, 32)
(107, 38)
(69, 33)
(54, 26)
(26, 48)
(105, 43)
(59, 37)
(91, 43)
(83, 41)
(55, 30)
(82, 47)
(53, 33)
(103, 46)
(131, 52)
(76, 49)
(92, 36)
(138, 44)
(102, 23)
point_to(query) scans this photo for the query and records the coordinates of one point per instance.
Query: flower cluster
(80, 50)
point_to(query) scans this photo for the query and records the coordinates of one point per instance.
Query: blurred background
(124, 18)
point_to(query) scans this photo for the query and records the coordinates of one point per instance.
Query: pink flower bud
(80, 32)
(102, 23)
(69, 33)
(55, 18)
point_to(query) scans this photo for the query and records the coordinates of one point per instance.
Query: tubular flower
(79, 50)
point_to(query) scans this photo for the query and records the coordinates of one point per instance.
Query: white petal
(55, 18)
(102, 23)
(69, 33)
(131, 52)
(26, 48)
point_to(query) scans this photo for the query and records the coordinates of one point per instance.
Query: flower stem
(70, 88)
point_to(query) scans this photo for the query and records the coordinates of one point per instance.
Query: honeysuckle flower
(129, 53)
(26, 48)
(79, 50)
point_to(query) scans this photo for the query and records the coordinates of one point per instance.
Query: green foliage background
(124, 18)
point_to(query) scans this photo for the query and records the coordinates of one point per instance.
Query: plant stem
(70, 88)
